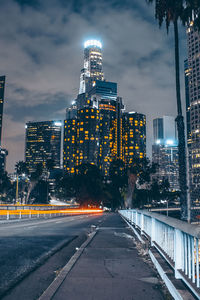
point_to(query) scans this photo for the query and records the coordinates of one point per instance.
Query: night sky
(41, 54)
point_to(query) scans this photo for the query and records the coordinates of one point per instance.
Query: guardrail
(27, 214)
(177, 241)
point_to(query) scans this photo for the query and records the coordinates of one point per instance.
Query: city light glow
(169, 142)
(95, 43)
(57, 123)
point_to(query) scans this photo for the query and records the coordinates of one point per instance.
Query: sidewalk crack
(108, 271)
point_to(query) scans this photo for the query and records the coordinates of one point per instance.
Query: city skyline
(42, 66)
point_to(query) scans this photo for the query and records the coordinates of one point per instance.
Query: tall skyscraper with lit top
(92, 69)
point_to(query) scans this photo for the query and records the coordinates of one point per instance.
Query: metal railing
(177, 241)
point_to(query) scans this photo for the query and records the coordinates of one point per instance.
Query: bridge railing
(177, 241)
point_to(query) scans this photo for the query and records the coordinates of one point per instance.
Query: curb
(54, 286)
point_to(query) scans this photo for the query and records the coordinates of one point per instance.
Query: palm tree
(171, 11)
(20, 168)
(34, 178)
(50, 164)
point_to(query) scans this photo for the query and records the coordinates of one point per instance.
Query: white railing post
(20, 215)
(197, 261)
(178, 252)
(142, 223)
(29, 214)
(153, 230)
(136, 218)
(8, 216)
(38, 214)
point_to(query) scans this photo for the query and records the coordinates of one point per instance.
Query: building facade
(2, 88)
(43, 142)
(133, 136)
(193, 103)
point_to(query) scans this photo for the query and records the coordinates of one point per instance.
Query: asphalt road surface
(26, 245)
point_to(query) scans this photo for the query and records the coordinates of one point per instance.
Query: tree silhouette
(88, 185)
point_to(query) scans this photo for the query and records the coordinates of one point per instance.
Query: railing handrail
(177, 241)
(193, 230)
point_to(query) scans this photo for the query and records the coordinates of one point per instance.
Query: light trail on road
(70, 211)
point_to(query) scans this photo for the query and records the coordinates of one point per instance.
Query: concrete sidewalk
(110, 268)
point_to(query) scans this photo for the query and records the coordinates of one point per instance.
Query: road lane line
(16, 226)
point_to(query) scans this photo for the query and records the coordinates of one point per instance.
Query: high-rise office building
(2, 88)
(193, 42)
(92, 70)
(134, 136)
(165, 150)
(43, 142)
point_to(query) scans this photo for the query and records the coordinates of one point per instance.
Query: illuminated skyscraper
(134, 136)
(193, 102)
(87, 136)
(92, 70)
(2, 87)
(43, 142)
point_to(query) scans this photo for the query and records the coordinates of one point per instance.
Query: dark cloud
(42, 53)
(51, 107)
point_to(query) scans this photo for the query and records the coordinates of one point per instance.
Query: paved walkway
(110, 268)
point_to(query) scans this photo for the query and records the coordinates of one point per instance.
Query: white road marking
(54, 220)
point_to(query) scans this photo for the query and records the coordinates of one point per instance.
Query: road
(27, 244)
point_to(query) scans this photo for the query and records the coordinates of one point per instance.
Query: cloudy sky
(41, 54)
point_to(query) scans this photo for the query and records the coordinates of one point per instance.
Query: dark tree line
(125, 187)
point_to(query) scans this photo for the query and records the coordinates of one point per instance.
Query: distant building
(165, 151)
(2, 88)
(166, 156)
(133, 136)
(43, 142)
(164, 129)
(3, 154)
